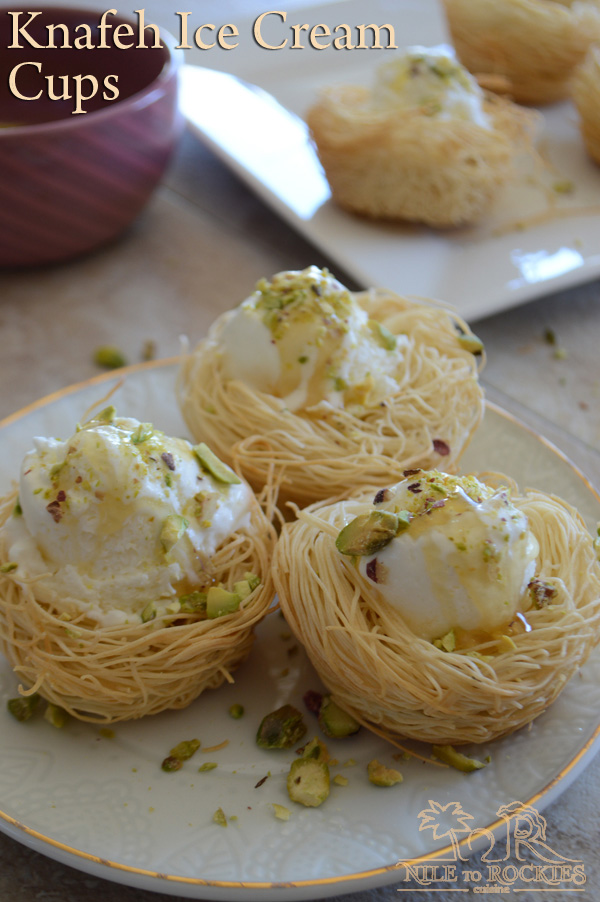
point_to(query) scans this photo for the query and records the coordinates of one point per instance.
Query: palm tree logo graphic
(454, 819)
(524, 826)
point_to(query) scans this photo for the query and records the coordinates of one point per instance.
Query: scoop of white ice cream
(461, 557)
(120, 515)
(302, 337)
(432, 79)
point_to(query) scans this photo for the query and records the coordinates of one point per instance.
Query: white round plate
(101, 803)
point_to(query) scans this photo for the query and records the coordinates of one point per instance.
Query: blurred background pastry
(585, 90)
(424, 143)
(533, 44)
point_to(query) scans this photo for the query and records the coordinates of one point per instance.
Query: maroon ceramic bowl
(72, 181)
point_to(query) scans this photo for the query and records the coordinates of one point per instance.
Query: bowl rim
(139, 100)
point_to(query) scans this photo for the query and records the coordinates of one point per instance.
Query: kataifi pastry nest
(407, 164)
(585, 90)
(322, 451)
(108, 674)
(406, 687)
(532, 45)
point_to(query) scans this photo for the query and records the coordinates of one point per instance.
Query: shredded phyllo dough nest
(107, 674)
(323, 451)
(585, 89)
(413, 166)
(405, 686)
(532, 45)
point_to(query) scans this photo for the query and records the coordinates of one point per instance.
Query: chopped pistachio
(219, 818)
(447, 642)
(308, 782)
(401, 756)
(281, 729)
(23, 707)
(106, 415)
(367, 533)
(281, 812)
(211, 463)
(110, 357)
(505, 643)
(470, 342)
(449, 755)
(382, 336)
(149, 612)
(220, 602)
(171, 764)
(173, 529)
(541, 592)
(8, 567)
(236, 711)
(242, 588)
(142, 433)
(184, 750)
(334, 721)
(340, 780)
(316, 749)
(252, 579)
(72, 634)
(404, 519)
(208, 765)
(58, 717)
(380, 775)
(56, 469)
(477, 655)
(489, 552)
(194, 603)
(563, 186)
